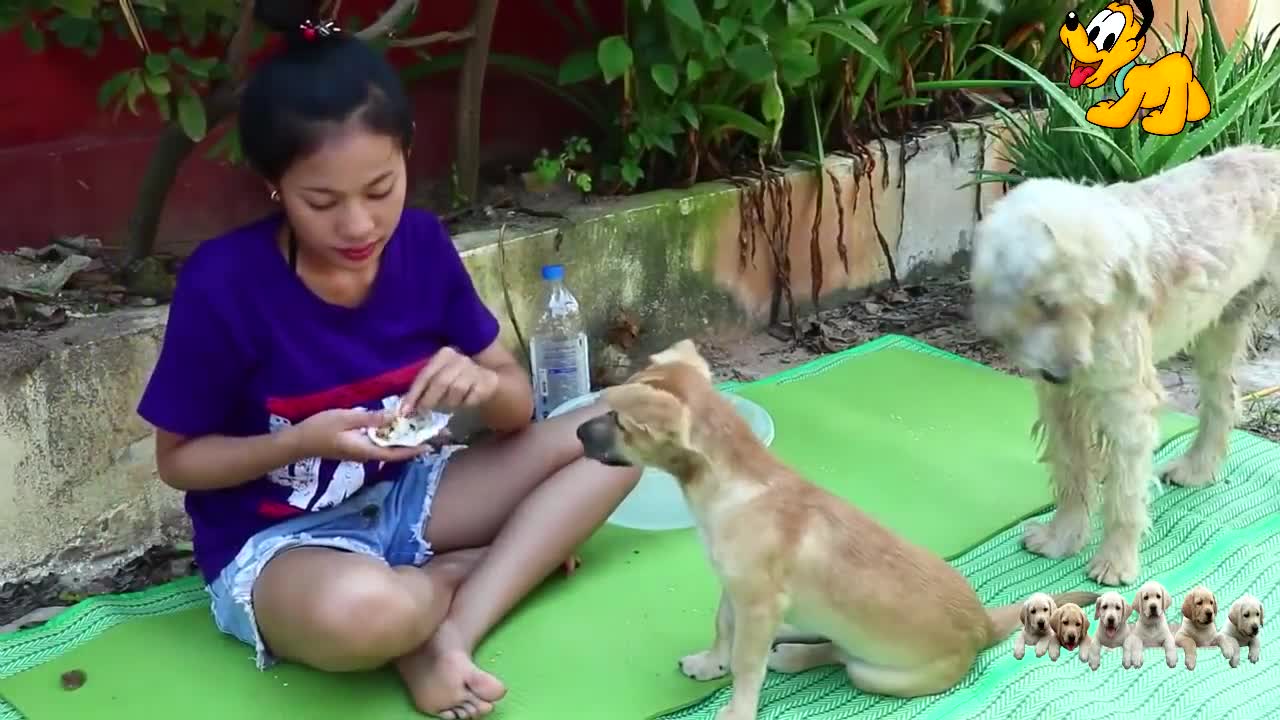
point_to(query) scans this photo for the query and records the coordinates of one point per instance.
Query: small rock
(73, 679)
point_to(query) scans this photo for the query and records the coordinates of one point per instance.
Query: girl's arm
(216, 462)
(511, 406)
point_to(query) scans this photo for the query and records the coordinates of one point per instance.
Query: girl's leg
(533, 498)
(342, 611)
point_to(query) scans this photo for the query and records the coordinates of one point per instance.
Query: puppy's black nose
(596, 434)
(1072, 22)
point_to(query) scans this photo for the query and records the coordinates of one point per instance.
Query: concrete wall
(77, 483)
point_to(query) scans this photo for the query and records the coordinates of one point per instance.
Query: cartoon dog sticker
(1107, 50)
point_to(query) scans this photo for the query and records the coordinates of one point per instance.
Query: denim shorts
(385, 521)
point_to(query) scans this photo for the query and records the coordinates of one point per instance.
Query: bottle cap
(552, 272)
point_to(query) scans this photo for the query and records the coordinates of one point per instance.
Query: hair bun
(287, 16)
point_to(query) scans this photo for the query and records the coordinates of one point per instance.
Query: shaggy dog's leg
(1216, 353)
(1127, 420)
(1067, 428)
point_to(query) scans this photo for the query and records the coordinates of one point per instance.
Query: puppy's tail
(1007, 618)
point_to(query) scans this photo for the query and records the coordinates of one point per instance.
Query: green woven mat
(1226, 536)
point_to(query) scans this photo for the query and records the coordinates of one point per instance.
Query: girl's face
(344, 200)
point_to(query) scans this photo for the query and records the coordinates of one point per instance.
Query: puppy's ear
(1187, 607)
(1137, 597)
(1084, 619)
(684, 352)
(1097, 610)
(1053, 605)
(1022, 614)
(1055, 621)
(1127, 612)
(1233, 615)
(1259, 614)
(1168, 599)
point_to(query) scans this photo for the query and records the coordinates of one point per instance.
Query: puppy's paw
(1054, 652)
(1191, 471)
(1018, 652)
(704, 666)
(1113, 565)
(1254, 655)
(1056, 539)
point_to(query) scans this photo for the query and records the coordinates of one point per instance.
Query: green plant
(550, 169)
(1243, 86)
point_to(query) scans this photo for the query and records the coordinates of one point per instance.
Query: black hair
(319, 81)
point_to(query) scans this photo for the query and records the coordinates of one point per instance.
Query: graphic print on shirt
(303, 477)
(318, 483)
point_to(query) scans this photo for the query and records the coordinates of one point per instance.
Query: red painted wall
(71, 168)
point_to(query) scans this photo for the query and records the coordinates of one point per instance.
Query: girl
(287, 338)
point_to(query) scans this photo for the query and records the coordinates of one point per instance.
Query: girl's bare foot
(445, 682)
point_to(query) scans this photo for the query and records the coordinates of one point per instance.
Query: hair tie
(311, 31)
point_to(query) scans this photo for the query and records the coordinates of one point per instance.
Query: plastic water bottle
(558, 348)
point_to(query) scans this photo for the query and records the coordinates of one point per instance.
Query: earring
(275, 196)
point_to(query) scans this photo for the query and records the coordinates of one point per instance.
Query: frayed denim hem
(438, 461)
(244, 580)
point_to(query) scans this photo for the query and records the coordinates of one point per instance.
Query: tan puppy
(1037, 611)
(1244, 626)
(1199, 627)
(1112, 612)
(899, 619)
(1152, 628)
(1070, 631)
(1088, 287)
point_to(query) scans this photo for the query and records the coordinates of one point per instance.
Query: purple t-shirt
(249, 349)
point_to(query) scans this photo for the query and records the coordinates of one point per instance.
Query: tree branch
(448, 36)
(387, 23)
(470, 94)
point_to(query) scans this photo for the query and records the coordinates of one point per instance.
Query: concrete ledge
(77, 484)
(77, 466)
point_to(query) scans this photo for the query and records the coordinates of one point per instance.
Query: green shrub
(702, 89)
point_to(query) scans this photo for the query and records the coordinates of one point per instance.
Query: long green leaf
(854, 39)
(732, 117)
(1055, 93)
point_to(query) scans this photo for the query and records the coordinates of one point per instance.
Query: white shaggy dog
(1088, 287)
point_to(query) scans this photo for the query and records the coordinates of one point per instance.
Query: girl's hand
(449, 381)
(342, 435)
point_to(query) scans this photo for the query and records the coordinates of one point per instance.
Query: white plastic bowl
(656, 503)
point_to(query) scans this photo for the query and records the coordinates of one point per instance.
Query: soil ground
(934, 311)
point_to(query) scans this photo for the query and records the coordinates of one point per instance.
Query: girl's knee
(363, 625)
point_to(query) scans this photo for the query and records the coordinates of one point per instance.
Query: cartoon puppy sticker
(1106, 50)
